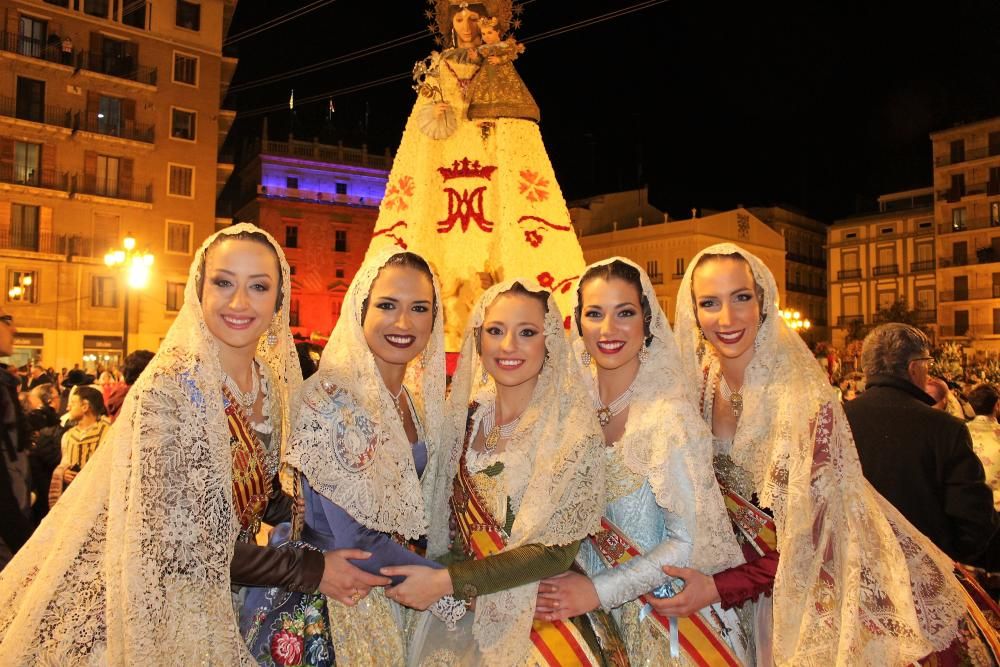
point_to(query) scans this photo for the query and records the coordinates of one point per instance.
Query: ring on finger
(356, 595)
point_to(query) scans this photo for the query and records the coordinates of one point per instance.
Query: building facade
(665, 247)
(805, 263)
(967, 213)
(110, 125)
(877, 260)
(320, 202)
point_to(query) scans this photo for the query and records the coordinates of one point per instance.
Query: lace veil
(666, 442)
(354, 451)
(856, 583)
(562, 500)
(132, 565)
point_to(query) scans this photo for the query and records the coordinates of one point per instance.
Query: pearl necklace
(494, 431)
(606, 412)
(398, 404)
(734, 397)
(245, 400)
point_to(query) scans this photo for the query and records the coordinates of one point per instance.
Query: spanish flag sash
(697, 637)
(753, 523)
(555, 643)
(251, 483)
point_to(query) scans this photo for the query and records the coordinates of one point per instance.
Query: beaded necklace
(734, 397)
(606, 412)
(494, 431)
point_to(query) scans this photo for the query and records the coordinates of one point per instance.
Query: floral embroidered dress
(985, 433)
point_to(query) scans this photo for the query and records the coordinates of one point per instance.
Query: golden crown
(506, 14)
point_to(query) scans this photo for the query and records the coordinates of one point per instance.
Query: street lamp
(18, 291)
(137, 266)
(794, 320)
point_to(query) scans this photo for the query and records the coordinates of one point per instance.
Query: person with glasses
(919, 458)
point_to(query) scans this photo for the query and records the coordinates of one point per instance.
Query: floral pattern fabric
(985, 433)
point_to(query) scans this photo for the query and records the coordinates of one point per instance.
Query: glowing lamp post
(137, 266)
(794, 320)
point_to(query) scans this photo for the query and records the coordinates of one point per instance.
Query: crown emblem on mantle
(466, 169)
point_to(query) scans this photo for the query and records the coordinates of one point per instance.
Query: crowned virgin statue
(472, 188)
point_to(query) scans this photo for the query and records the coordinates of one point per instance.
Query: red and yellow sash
(557, 643)
(251, 483)
(753, 523)
(698, 639)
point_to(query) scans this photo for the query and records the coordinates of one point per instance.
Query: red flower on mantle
(396, 195)
(548, 281)
(533, 186)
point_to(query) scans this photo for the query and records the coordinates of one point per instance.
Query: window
(188, 15)
(340, 240)
(925, 252)
(960, 253)
(103, 292)
(339, 273)
(886, 230)
(291, 236)
(292, 182)
(107, 176)
(175, 296)
(30, 100)
(22, 286)
(185, 69)
(957, 189)
(852, 304)
(886, 256)
(679, 267)
(182, 124)
(653, 267)
(850, 260)
(32, 37)
(996, 321)
(179, 237)
(961, 322)
(886, 300)
(109, 115)
(961, 284)
(134, 14)
(956, 150)
(994, 213)
(925, 298)
(994, 143)
(293, 313)
(181, 181)
(958, 219)
(96, 7)
(851, 235)
(926, 224)
(341, 188)
(27, 163)
(24, 230)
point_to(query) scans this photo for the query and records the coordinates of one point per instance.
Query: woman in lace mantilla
(135, 563)
(855, 583)
(365, 445)
(663, 499)
(524, 486)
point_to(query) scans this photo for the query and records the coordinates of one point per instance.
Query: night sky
(822, 106)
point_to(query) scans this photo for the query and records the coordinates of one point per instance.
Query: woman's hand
(422, 587)
(699, 592)
(439, 110)
(344, 581)
(564, 596)
(69, 475)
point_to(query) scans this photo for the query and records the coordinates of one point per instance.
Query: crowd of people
(623, 494)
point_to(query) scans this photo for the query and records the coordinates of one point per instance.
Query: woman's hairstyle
(256, 237)
(518, 288)
(94, 397)
(135, 364)
(983, 399)
(889, 348)
(704, 259)
(407, 260)
(622, 271)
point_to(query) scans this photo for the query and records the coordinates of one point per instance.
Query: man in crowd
(37, 376)
(985, 431)
(919, 458)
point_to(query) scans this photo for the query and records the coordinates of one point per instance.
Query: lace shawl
(353, 450)
(856, 583)
(132, 565)
(560, 440)
(667, 443)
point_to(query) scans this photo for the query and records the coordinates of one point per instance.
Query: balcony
(123, 67)
(886, 270)
(849, 274)
(969, 154)
(923, 266)
(656, 278)
(819, 262)
(94, 122)
(970, 331)
(15, 174)
(25, 237)
(23, 45)
(926, 316)
(805, 289)
(971, 294)
(52, 115)
(275, 192)
(981, 222)
(846, 320)
(126, 192)
(357, 157)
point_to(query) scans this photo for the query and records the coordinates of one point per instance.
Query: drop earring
(484, 378)
(585, 358)
(643, 354)
(272, 336)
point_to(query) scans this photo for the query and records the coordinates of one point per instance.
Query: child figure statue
(497, 90)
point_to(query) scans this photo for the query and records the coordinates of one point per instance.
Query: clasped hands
(570, 594)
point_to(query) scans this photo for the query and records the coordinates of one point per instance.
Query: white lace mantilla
(856, 583)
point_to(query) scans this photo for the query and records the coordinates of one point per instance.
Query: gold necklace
(494, 431)
(734, 397)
